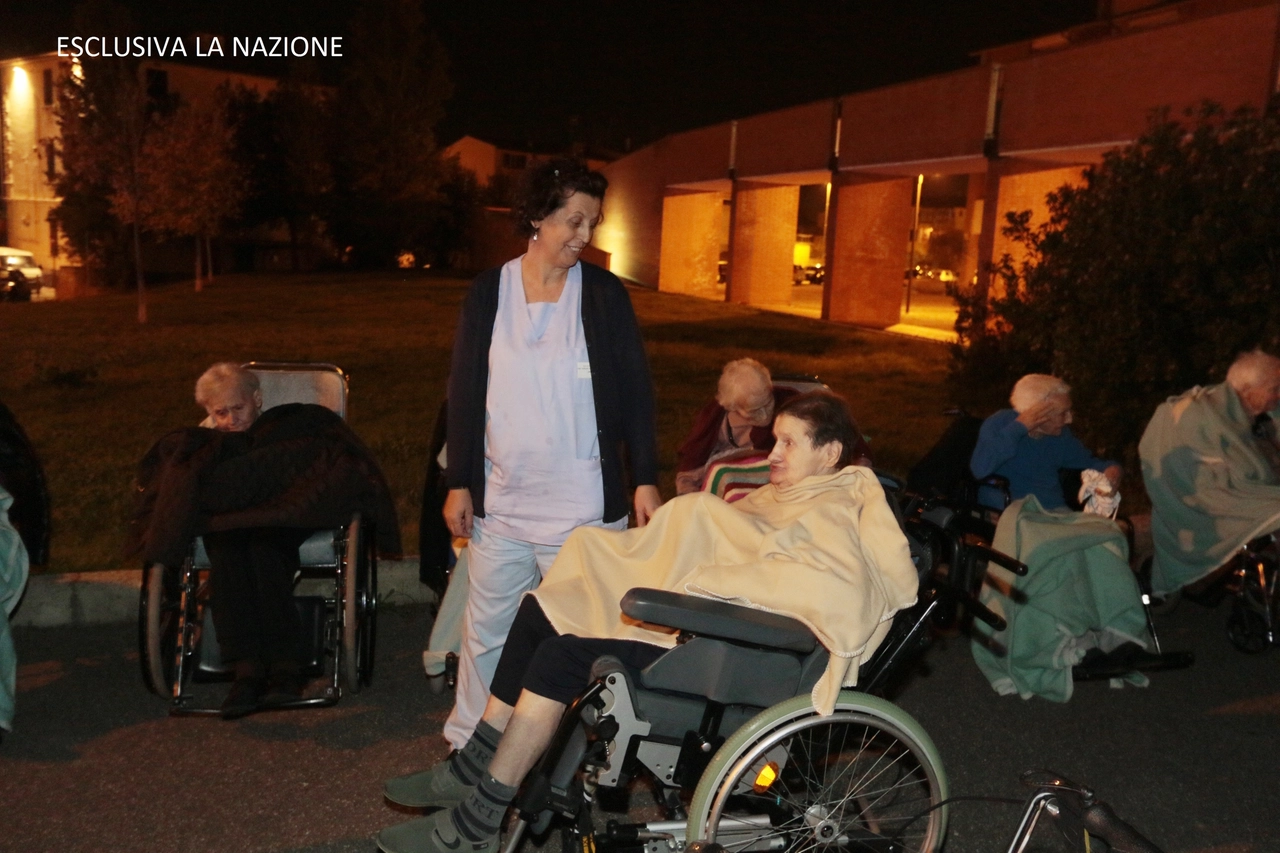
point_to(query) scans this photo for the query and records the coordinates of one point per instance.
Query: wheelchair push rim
(867, 773)
(359, 606)
(160, 624)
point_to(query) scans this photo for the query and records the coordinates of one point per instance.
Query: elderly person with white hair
(255, 485)
(1029, 443)
(739, 419)
(251, 570)
(1212, 469)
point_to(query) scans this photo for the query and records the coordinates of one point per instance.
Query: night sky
(544, 74)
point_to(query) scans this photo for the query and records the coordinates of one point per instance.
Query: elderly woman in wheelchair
(257, 484)
(820, 543)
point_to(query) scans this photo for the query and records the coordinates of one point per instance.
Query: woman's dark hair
(827, 416)
(546, 186)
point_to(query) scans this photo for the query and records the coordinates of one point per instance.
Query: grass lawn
(93, 389)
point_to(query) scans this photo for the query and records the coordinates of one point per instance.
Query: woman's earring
(535, 235)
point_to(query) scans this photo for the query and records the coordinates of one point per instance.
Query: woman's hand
(458, 512)
(647, 502)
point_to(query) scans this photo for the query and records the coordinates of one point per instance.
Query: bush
(1146, 279)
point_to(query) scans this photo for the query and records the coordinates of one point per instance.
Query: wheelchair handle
(986, 614)
(1000, 558)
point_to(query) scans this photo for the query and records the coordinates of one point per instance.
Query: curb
(102, 598)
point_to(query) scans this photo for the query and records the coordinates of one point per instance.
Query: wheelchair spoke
(845, 783)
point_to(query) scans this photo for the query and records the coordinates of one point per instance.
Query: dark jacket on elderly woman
(298, 465)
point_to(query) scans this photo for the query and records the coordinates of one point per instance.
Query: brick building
(1025, 119)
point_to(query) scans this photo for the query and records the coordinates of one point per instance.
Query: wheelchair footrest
(1124, 661)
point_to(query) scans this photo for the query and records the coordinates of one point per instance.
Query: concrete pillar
(691, 226)
(1026, 190)
(872, 221)
(762, 247)
(973, 210)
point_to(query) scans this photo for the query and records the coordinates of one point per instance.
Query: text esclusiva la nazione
(164, 47)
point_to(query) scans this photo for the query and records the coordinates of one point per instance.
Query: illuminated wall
(690, 257)
(872, 221)
(762, 246)
(29, 128)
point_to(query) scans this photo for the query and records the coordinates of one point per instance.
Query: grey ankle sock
(470, 763)
(479, 817)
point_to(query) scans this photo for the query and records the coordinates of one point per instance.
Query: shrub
(1145, 280)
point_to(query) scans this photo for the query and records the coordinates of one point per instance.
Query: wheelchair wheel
(160, 627)
(791, 779)
(359, 607)
(1247, 628)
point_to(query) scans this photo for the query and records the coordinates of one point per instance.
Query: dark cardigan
(619, 380)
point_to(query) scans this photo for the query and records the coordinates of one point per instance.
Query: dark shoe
(436, 788)
(431, 834)
(285, 683)
(1206, 594)
(244, 697)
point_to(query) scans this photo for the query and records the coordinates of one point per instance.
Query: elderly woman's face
(794, 457)
(755, 408)
(567, 231)
(233, 409)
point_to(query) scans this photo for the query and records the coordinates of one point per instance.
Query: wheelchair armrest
(712, 618)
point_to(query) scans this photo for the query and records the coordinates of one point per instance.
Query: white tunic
(542, 451)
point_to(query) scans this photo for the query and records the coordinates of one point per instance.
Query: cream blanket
(827, 551)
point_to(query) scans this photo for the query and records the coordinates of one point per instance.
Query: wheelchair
(336, 591)
(724, 728)
(960, 512)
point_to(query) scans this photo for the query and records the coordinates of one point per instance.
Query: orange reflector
(766, 777)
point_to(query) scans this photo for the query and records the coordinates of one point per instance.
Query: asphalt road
(96, 765)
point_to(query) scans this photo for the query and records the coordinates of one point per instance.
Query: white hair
(224, 375)
(737, 379)
(1251, 369)
(1033, 388)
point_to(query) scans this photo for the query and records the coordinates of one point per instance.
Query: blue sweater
(1030, 464)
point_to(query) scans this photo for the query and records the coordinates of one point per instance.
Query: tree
(104, 113)
(281, 144)
(387, 166)
(1146, 279)
(189, 183)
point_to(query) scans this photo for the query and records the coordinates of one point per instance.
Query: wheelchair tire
(1247, 628)
(359, 607)
(869, 770)
(159, 612)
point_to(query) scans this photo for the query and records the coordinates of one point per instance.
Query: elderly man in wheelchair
(1211, 462)
(820, 544)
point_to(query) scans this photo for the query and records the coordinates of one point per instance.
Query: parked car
(946, 275)
(19, 274)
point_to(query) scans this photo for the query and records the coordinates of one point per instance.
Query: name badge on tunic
(584, 370)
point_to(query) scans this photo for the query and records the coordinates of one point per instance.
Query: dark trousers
(251, 593)
(537, 659)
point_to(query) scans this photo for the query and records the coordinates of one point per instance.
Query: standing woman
(549, 381)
